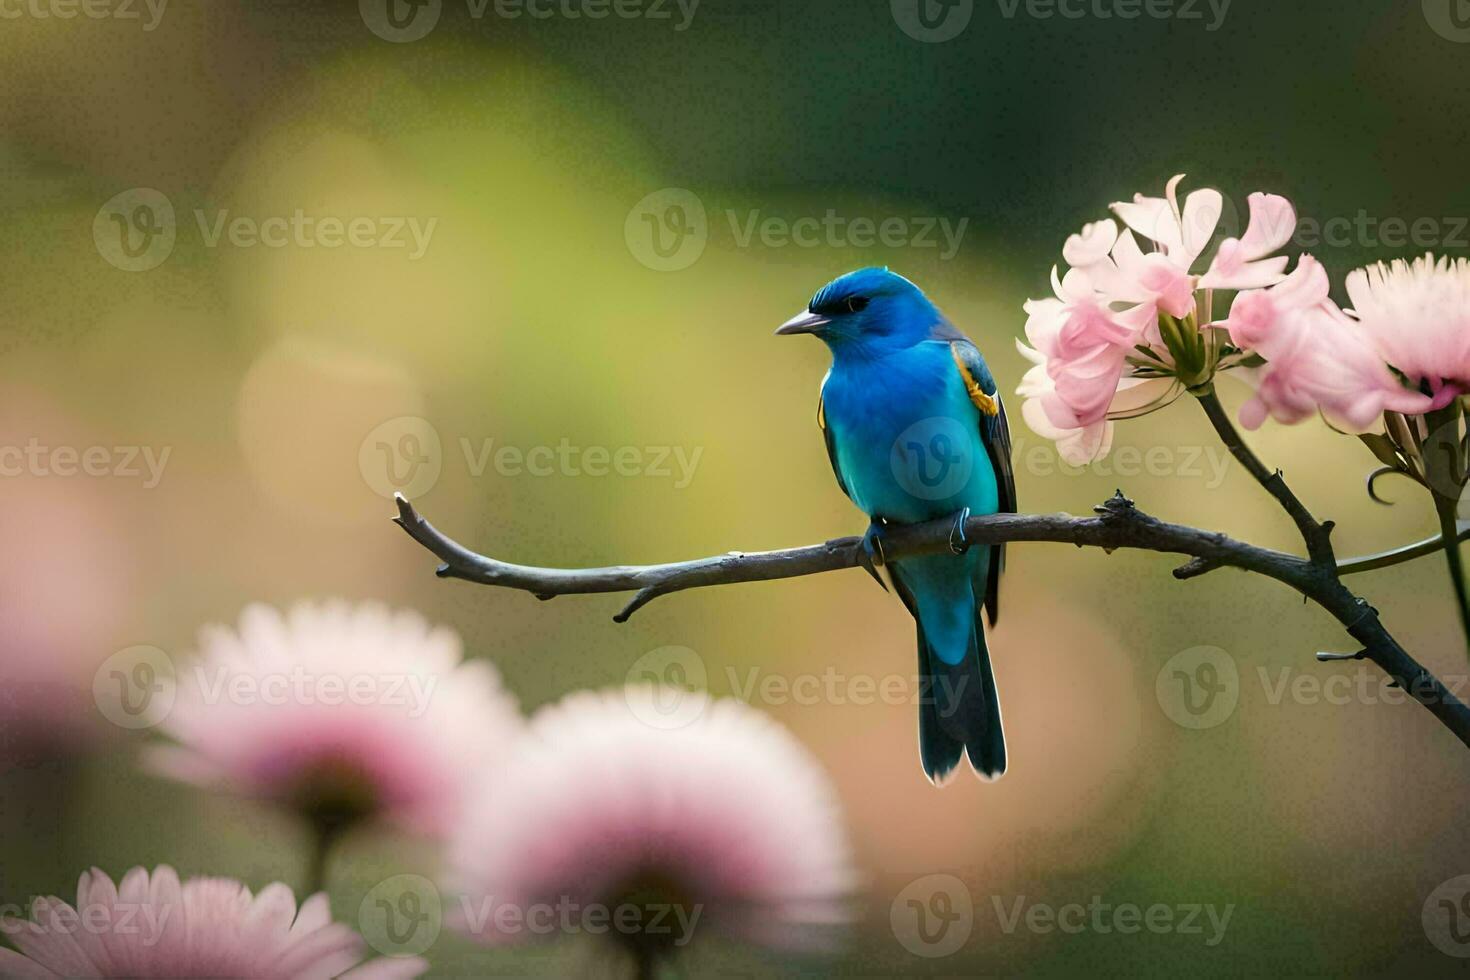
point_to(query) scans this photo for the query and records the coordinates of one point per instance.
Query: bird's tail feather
(959, 712)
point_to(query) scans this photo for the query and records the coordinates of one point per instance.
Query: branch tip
(1328, 658)
(640, 599)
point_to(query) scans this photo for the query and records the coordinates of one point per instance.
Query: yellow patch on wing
(986, 403)
(822, 413)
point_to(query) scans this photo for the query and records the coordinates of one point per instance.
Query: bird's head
(871, 309)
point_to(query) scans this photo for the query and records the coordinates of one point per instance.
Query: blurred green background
(534, 316)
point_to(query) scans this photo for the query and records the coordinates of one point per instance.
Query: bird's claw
(958, 543)
(870, 554)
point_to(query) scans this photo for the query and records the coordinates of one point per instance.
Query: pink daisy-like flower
(1416, 316)
(726, 823)
(341, 712)
(1129, 330)
(156, 926)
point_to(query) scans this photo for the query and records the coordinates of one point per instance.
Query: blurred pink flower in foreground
(726, 824)
(341, 712)
(1317, 357)
(156, 926)
(1129, 330)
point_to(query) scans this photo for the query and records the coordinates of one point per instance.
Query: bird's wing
(830, 441)
(995, 433)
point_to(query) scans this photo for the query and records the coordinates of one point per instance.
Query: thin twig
(1398, 556)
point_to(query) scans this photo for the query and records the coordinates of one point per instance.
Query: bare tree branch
(1117, 524)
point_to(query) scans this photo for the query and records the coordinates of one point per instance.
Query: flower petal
(1092, 245)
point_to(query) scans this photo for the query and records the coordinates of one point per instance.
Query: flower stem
(1220, 419)
(1317, 536)
(324, 835)
(1450, 536)
(646, 963)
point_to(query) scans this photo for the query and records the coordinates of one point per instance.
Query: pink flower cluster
(1129, 329)
(1099, 345)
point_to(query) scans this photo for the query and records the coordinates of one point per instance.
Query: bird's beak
(803, 322)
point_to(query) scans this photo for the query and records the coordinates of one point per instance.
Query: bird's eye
(856, 304)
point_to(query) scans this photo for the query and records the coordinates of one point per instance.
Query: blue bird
(915, 431)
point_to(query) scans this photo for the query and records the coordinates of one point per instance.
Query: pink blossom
(1097, 345)
(156, 926)
(1317, 357)
(727, 818)
(340, 710)
(1078, 442)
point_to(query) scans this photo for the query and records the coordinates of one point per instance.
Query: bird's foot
(958, 543)
(870, 554)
